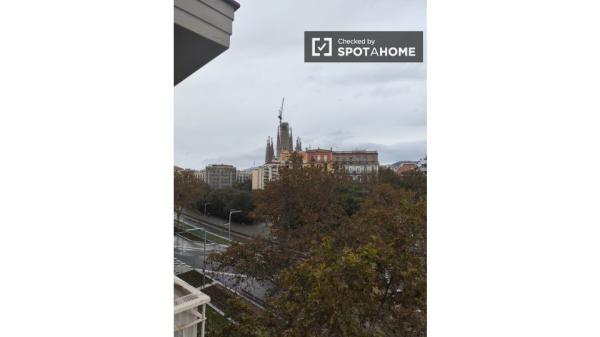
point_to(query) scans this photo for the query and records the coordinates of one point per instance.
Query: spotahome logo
(363, 46)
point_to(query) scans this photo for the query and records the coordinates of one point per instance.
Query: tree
(352, 195)
(415, 180)
(334, 270)
(223, 200)
(188, 190)
(301, 196)
(245, 186)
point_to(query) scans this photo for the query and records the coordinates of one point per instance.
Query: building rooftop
(220, 165)
(318, 150)
(356, 151)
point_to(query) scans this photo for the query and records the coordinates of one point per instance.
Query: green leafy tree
(223, 200)
(245, 186)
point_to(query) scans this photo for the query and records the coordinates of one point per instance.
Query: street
(193, 254)
(239, 232)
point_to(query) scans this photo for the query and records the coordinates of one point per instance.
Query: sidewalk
(251, 230)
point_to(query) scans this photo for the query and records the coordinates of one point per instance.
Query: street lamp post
(204, 258)
(229, 223)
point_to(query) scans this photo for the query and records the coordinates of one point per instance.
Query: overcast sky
(225, 111)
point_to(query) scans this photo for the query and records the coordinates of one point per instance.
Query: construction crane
(281, 110)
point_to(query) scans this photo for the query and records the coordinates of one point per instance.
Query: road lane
(220, 230)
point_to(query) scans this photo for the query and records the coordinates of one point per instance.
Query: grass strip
(198, 234)
(215, 323)
(194, 278)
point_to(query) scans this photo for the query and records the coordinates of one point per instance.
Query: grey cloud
(225, 111)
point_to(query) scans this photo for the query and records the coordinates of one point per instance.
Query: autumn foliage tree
(187, 191)
(414, 180)
(335, 270)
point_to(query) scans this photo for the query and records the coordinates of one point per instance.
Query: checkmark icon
(321, 46)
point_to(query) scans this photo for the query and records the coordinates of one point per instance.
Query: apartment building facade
(220, 175)
(358, 164)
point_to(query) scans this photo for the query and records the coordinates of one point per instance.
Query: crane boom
(281, 110)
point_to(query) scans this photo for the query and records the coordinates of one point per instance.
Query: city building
(403, 167)
(264, 174)
(190, 309)
(422, 165)
(243, 176)
(192, 175)
(202, 31)
(318, 158)
(200, 175)
(357, 163)
(220, 175)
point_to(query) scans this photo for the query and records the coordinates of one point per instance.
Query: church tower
(278, 141)
(269, 151)
(284, 141)
(298, 144)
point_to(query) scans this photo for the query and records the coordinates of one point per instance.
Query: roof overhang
(202, 31)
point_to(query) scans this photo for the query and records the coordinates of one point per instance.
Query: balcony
(188, 301)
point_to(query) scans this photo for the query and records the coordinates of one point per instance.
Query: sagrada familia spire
(269, 153)
(285, 139)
